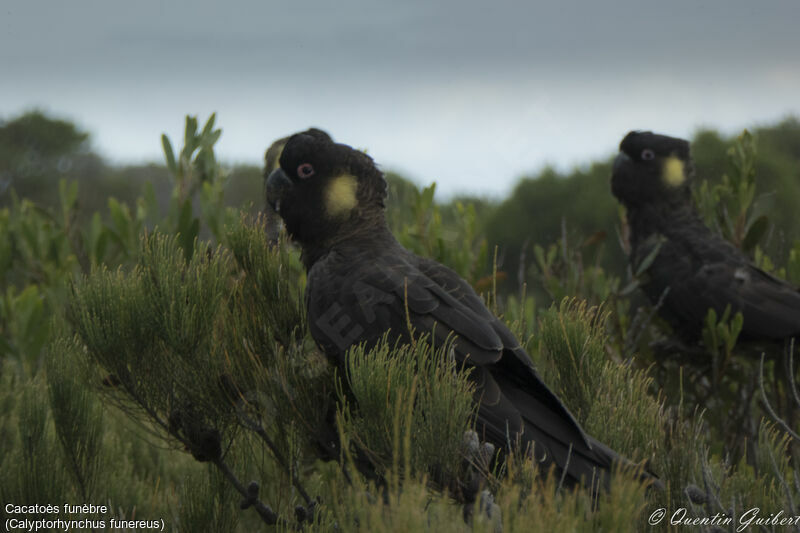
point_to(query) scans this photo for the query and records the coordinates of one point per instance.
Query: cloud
(470, 93)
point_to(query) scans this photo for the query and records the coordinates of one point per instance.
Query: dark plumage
(693, 269)
(271, 162)
(331, 198)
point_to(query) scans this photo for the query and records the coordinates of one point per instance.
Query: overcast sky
(471, 94)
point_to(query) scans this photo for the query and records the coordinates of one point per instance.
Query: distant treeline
(37, 150)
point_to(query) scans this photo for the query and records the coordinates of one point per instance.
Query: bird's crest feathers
(273, 156)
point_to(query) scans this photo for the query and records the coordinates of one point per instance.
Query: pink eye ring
(305, 170)
(648, 154)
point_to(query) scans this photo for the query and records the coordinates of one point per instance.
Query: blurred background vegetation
(92, 254)
(36, 151)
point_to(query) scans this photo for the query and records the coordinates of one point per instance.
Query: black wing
(708, 272)
(394, 289)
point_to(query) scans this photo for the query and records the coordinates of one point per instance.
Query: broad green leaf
(68, 195)
(208, 141)
(187, 238)
(551, 254)
(755, 232)
(120, 216)
(91, 237)
(188, 228)
(629, 288)
(190, 133)
(169, 154)
(538, 253)
(642, 267)
(209, 125)
(735, 329)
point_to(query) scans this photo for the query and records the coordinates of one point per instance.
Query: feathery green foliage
(77, 416)
(207, 503)
(572, 337)
(30, 479)
(407, 394)
(205, 346)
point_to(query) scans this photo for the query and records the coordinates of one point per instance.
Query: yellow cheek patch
(673, 172)
(340, 197)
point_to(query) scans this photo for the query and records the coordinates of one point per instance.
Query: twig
(521, 268)
(630, 345)
(250, 495)
(790, 364)
(708, 483)
(279, 458)
(782, 481)
(564, 470)
(781, 422)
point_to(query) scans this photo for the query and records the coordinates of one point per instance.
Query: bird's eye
(305, 170)
(648, 154)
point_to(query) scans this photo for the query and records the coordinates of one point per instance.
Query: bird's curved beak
(621, 159)
(277, 185)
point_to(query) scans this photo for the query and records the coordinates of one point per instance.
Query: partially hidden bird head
(651, 168)
(322, 189)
